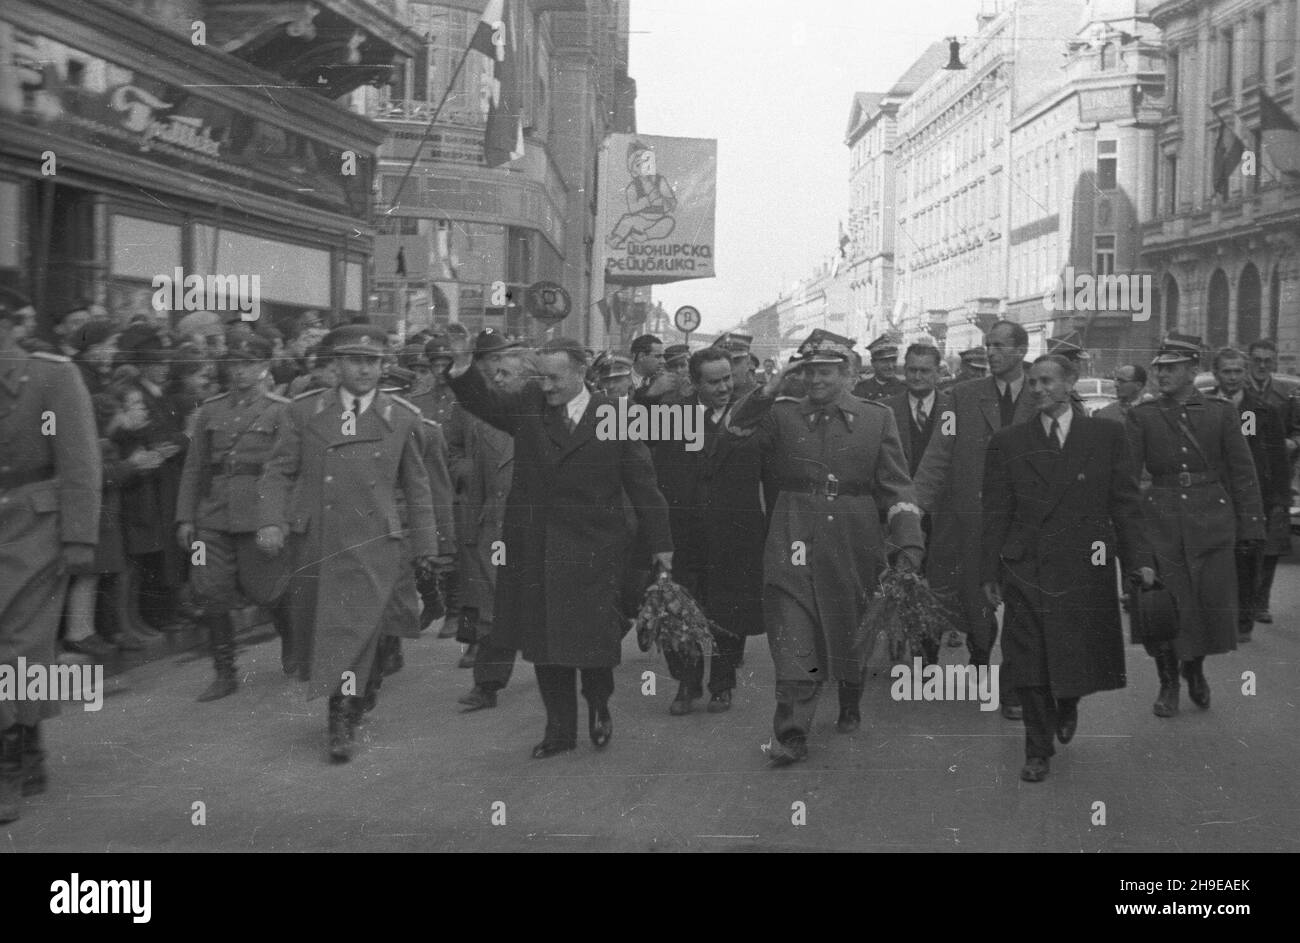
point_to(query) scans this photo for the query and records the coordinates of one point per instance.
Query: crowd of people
(358, 487)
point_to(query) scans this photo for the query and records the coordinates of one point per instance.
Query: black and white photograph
(641, 426)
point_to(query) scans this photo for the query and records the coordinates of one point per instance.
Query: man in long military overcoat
(331, 485)
(49, 522)
(845, 509)
(1203, 503)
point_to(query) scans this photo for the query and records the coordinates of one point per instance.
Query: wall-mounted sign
(548, 301)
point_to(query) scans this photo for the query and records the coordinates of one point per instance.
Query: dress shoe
(477, 699)
(849, 720)
(467, 660)
(451, 625)
(1013, 712)
(720, 703)
(794, 750)
(1264, 616)
(1035, 769)
(1198, 689)
(1067, 721)
(93, 645)
(683, 703)
(1243, 635)
(221, 686)
(600, 725)
(548, 748)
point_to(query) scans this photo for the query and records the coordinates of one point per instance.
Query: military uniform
(845, 496)
(233, 439)
(1204, 498)
(1283, 395)
(49, 497)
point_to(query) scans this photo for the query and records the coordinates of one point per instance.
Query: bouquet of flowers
(671, 620)
(907, 611)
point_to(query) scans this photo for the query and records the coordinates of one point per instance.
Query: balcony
(330, 46)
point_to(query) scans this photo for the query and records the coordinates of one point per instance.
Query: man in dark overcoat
(565, 535)
(949, 486)
(1203, 503)
(845, 509)
(1060, 505)
(332, 486)
(715, 506)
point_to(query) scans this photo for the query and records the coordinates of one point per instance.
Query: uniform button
(830, 517)
(1183, 496)
(329, 507)
(329, 478)
(379, 454)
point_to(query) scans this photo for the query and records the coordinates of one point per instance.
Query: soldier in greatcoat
(331, 486)
(49, 524)
(845, 509)
(1204, 502)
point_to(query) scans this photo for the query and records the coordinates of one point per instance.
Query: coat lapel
(1042, 458)
(582, 432)
(1069, 464)
(370, 426)
(989, 404)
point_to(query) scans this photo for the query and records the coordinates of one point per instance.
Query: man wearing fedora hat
(1204, 502)
(217, 505)
(844, 510)
(331, 487)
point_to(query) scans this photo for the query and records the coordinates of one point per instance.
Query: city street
(917, 777)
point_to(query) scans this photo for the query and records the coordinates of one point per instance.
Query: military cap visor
(249, 347)
(361, 339)
(1178, 348)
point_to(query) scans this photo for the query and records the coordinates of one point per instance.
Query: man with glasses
(1282, 394)
(1130, 381)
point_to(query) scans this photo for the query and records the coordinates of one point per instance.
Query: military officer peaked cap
(616, 366)
(976, 357)
(249, 347)
(364, 339)
(1067, 348)
(1179, 348)
(825, 347)
(676, 352)
(883, 347)
(735, 343)
(413, 355)
(438, 348)
(492, 341)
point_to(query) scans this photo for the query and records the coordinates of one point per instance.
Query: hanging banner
(656, 207)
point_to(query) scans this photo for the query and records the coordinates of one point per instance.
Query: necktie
(1006, 406)
(922, 417)
(1055, 435)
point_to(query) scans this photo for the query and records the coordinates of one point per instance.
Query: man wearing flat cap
(841, 471)
(331, 487)
(884, 361)
(49, 524)
(565, 535)
(1204, 503)
(234, 435)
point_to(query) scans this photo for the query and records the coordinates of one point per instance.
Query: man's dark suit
(916, 440)
(1054, 520)
(716, 512)
(565, 542)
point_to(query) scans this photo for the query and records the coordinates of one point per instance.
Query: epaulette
(430, 422)
(407, 403)
(46, 355)
(213, 399)
(874, 402)
(315, 392)
(277, 398)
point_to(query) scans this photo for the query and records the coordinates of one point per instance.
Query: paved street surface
(917, 777)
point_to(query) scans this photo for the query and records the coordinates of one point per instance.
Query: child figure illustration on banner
(650, 201)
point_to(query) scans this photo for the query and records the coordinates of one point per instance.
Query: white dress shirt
(575, 407)
(917, 405)
(351, 399)
(1063, 422)
(1015, 387)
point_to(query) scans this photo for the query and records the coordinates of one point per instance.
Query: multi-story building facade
(868, 265)
(954, 171)
(469, 226)
(1228, 266)
(142, 136)
(1081, 166)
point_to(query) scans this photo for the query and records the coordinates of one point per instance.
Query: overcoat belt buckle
(832, 487)
(1185, 479)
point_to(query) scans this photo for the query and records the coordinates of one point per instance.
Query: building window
(1107, 56)
(1227, 62)
(1103, 255)
(1258, 30)
(1172, 79)
(1171, 184)
(1285, 31)
(1106, 165)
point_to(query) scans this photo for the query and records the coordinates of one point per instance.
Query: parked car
(1095, 392)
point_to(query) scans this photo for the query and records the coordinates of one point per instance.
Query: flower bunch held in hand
(672, 621)
(907, 610)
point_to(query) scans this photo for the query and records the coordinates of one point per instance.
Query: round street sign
(548, 301)
(687, 319)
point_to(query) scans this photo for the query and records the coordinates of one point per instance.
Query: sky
(773, 82)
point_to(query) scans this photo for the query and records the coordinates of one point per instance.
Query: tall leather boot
(284, 628)
(1166, 704)
(33, 761)
(850, 718)
(11, 773)
(341, 732)
(221, 632)
(451, 599)
(1198, 689)
(390, 655)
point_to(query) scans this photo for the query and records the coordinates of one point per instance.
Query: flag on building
(494, 38)
(1280, 134)
(844, 242)
(1227, 155)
